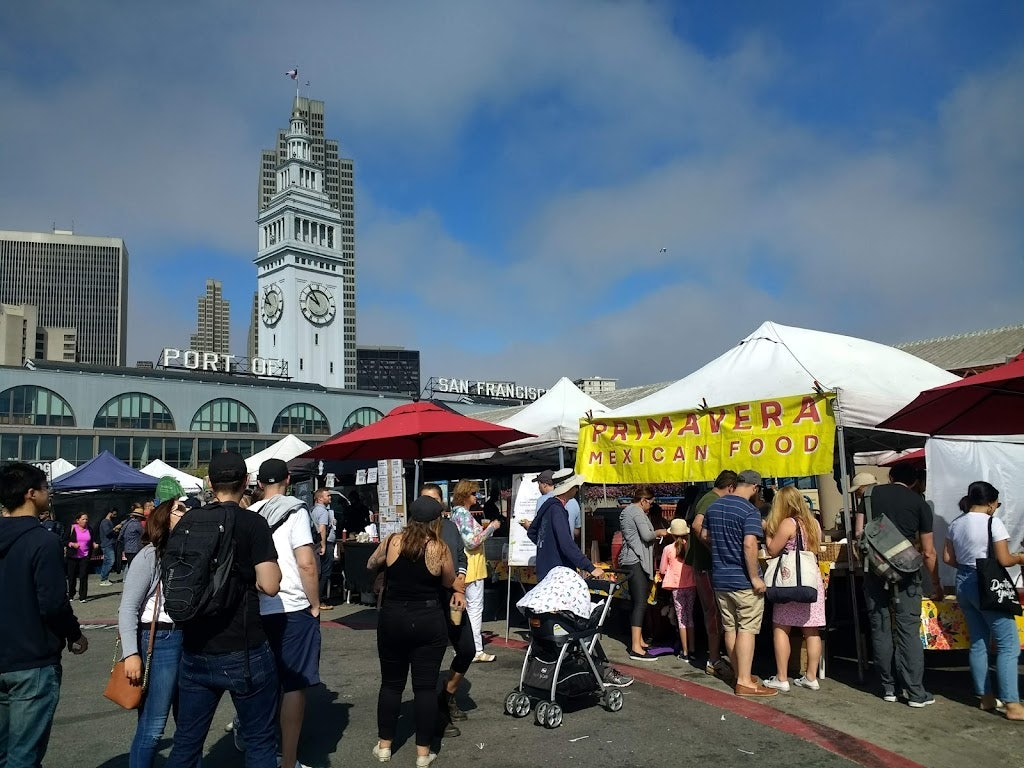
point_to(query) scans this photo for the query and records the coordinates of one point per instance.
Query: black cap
(547, 477)
(227, 467)
(272, 471)
(425, 509)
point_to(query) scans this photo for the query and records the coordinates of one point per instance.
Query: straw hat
(679, 527)
(862, 479)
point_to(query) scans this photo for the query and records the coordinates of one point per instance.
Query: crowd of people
(255, 634)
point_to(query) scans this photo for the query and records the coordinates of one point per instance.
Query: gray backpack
(885, 551)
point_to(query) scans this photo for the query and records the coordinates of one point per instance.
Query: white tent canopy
(60, 467)
(189, 483)
(874, 381)
(554, 418)
(286, 449)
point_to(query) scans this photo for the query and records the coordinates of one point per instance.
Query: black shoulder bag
(996, 590)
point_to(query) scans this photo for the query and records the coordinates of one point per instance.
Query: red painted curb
(843, 744)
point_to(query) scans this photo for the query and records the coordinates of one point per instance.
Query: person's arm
(777, 543)
(308, 576)
(268, 577)
(646, 531)
(473, 534)
(570, 551)
(750, 548)
(1006, 558)
(137, 582)
(264, 554)
(931, 562)
(948, 555)
(52, 595)
(663, 565)
(379, 557)
(700, 530)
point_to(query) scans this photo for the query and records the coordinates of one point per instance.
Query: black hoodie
(34, 606)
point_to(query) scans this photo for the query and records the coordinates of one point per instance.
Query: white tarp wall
(955, 464)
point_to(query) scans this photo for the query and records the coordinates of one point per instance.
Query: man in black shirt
(229, 651)
(912, 516)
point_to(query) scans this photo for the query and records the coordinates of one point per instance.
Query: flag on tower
(293, 74)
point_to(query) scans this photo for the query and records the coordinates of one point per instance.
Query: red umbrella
(914, 457)
(416, 430)
(989, 403)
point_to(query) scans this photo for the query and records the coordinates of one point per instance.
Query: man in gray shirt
(323, 519)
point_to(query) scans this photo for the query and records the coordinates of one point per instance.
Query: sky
(546, 187)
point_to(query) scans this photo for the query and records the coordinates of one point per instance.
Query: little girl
(678, 577)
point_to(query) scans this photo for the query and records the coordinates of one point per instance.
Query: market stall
(785, 401)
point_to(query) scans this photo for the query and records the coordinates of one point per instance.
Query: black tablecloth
(357, 578)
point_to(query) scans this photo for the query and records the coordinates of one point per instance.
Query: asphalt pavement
(672, 715)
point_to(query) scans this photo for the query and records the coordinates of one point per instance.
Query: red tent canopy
(416, 431)
(989, 403)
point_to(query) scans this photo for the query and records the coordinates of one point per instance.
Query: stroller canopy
(561, 590)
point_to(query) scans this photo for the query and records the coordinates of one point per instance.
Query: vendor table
(358, 580)
(943, 627)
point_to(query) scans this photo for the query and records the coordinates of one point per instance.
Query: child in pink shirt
(678, 577)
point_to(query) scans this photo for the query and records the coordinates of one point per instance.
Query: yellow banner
(784, 437)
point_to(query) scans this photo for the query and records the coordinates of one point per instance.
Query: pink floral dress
(801, 614)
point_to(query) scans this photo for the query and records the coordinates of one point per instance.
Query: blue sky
(850, 166)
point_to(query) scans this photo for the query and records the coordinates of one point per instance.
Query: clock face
(317, 304)
(273, 304)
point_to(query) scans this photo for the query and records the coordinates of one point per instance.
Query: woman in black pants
(79, 551)
(637, 557)
(411, 630)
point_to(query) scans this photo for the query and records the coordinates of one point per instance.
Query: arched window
(36, 406)
(224, 415)
(362, 417)
(302, 419)
(134, 410)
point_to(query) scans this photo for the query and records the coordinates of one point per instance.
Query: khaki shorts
(741, 611)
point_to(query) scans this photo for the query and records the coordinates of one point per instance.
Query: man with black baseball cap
(291, 617)
(228, 651)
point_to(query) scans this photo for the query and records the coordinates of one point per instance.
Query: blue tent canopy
(104, 473)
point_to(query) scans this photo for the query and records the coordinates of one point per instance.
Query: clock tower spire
(305, 278)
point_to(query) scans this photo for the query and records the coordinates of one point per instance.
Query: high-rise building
(306, 258)
(388, 369)
(74, 282)
(595, 386)
(213, 321)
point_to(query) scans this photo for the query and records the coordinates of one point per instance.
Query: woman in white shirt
(967, 541)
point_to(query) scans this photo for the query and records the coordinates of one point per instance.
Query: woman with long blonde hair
(789, 516)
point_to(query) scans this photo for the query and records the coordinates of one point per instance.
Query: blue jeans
(161, 695)
(202, 680)
(108, 563)
(981, 626)
(28, 699)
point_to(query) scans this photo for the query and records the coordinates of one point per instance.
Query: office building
(73, 281)
(595, 386)
(252, 343)
(213, 321)
(306, 256)
(388, 369)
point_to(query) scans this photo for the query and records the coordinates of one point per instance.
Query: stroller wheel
(541, 713)
(522, 705)
(613, 699)
(510, 703)
(553, 717)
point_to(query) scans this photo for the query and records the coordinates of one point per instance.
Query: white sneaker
(422, 761)
(106, 583)
(810, 685)
(778, 685)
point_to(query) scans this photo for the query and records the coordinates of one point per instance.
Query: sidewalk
(843, 717)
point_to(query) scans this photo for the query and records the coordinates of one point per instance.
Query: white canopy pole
(841, 447)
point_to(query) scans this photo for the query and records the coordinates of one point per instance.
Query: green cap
(168, 488)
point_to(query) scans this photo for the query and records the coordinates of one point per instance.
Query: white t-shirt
(969, 534)
(295, 532)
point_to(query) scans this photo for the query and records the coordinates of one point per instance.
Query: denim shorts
(295, 641)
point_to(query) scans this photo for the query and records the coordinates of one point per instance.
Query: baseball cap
(227, 467)
(546, 477)
(425, 509)
(272, 471)
(748, 477)
(169, 488)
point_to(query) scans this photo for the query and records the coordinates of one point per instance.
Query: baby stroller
(561, 657)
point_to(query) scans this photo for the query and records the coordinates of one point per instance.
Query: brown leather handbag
(120, 689)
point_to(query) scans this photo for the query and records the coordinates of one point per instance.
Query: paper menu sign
(522, 551)
(360, 477)
(371, 475)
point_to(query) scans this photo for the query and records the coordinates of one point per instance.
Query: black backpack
(198, 564)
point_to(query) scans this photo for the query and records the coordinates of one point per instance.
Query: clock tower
(305, 297)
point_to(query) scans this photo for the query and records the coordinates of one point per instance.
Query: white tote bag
(793, 577)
